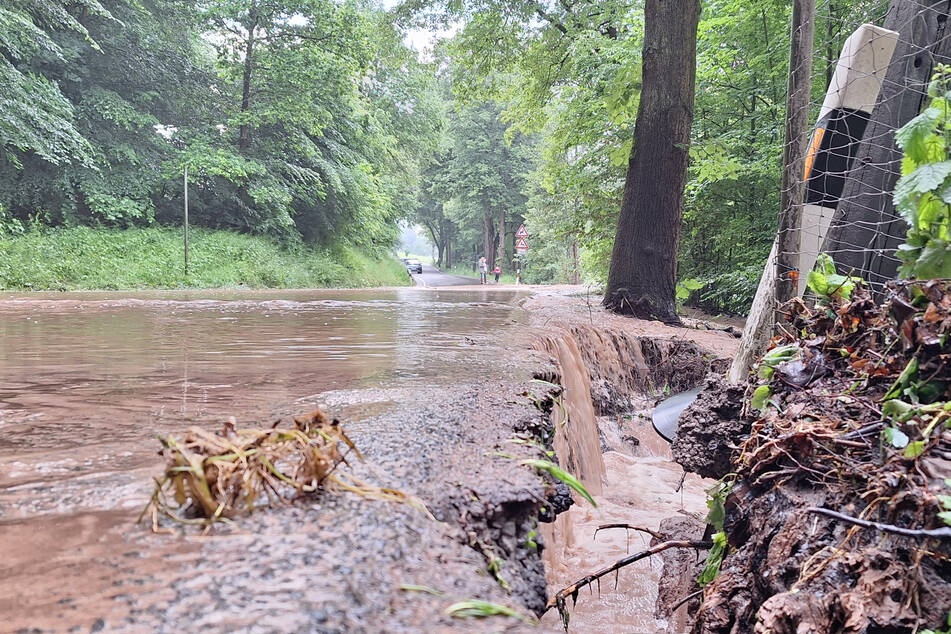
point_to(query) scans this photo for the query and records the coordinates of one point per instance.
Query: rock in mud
(710, 428)
(681, 569)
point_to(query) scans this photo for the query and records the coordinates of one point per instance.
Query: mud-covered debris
(710, 428)
(850, 426)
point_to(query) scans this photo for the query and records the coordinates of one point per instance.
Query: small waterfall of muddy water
(628, 469)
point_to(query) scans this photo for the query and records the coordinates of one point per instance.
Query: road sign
(522, 233)
(521, 243)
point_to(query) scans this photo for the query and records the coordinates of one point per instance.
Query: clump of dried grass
(214, 477)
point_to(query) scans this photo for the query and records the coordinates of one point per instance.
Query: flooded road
(87, 381)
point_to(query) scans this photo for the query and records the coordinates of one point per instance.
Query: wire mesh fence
(869, 66)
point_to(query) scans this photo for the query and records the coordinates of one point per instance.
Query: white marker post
(847, 108)
(846, 111)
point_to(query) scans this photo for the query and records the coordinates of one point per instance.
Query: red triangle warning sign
(521, 233)
(521, 243)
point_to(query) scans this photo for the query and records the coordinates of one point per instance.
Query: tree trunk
(489, 238)
(244, 131)
(643, 273)
(576, 275)
(501, 251)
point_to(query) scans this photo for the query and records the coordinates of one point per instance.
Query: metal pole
(186, 218)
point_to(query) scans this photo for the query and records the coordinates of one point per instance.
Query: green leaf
(911, 369)
(711, 568)
(895, 437)
(761, 397)
(818, 283)
(898, 410)
(914, 449)
(780, 354)
(560, 474)
(475, 608)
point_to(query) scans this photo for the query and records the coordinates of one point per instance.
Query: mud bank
(854, 430)
(612, 370)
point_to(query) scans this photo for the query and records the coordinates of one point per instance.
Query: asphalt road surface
(431, 276)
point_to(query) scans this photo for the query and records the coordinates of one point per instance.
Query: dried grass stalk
(214, 477)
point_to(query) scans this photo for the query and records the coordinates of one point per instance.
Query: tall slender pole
(186, 218)
(794, 151)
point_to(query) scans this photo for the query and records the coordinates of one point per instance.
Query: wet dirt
(88, 380)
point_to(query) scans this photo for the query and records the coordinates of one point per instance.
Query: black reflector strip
(844, 128)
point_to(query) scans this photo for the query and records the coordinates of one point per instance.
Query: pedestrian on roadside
(498, 271)
(483, 269)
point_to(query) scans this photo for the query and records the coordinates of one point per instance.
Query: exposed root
(934, 533)
(572, 591)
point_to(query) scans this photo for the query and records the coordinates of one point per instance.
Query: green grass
(91, 258)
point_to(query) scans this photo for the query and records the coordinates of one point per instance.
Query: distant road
(431, 276)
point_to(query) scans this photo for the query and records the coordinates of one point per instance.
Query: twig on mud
(572, 591)
(920, 533)
(690, 596)
(604, 527)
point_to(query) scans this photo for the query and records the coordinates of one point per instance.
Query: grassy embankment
(87, 258)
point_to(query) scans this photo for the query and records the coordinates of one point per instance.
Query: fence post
(798, 92)
(784, 256)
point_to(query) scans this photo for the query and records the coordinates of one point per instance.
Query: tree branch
(935, 533)
(559, 599)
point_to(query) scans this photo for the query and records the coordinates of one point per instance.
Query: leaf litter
(835, 518)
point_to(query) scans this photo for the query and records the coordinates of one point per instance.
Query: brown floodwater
(88, 380)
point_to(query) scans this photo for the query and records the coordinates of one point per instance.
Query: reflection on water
(87, 380)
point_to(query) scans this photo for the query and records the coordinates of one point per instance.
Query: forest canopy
(315, 121)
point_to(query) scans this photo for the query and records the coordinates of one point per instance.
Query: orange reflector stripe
(813, 150)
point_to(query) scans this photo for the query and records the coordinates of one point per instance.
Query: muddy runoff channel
(432, 385)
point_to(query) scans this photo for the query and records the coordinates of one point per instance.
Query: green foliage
(923, 193)
(761, 397)
(711, 567)
(324, 137)
(85, 258)
(685, 287)
(559, 473)
(476, 608)
(827, 284)
(730, 292)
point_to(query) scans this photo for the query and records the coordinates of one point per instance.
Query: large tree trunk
(643, 272)
(488, 232)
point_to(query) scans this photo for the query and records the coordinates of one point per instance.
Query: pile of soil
(839, 473)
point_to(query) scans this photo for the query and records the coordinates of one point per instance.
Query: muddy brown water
(88, 380)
